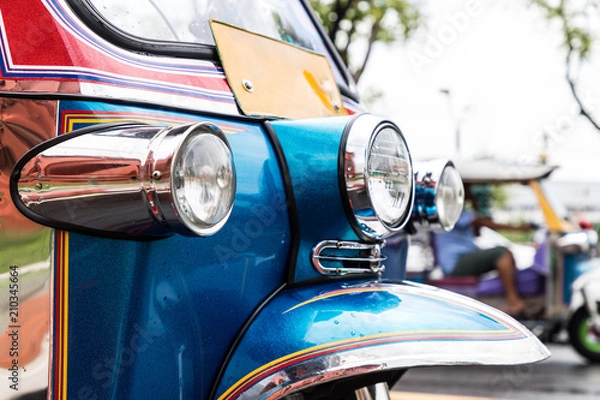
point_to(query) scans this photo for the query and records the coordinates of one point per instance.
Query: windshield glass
(188, 20)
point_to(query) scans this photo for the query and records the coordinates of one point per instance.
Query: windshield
(188, 20)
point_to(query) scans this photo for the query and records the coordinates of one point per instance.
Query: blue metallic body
(151, 319)
(396, 254)
(311, 149)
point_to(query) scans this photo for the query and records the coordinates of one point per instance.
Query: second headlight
(440, 194)
(377, 176)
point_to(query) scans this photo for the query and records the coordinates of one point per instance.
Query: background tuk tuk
(557, 273)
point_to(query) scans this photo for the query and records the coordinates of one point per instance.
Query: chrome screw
(248, 85)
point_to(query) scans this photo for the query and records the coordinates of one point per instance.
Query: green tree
(351, 21)
(575, 18)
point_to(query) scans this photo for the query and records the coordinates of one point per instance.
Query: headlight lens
(389, 176)
(449, 197)
(203, 182)
(440, 195)
(377, 176)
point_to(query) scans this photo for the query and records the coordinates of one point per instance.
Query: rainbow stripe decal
(61, 314)
(75, 119)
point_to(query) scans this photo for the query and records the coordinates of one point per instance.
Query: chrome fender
(316, 334)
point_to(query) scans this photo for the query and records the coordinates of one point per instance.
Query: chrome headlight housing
(201, 186)
(440, 194)
(377, 176)
(128, 180)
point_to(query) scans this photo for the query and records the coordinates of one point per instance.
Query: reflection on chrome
(120, 180)
(25, 260)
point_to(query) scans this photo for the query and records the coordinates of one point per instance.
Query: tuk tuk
(194, 204)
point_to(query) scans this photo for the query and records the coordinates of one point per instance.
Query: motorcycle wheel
(583, 336)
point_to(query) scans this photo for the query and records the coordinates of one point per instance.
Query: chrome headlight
(377, 176)
(440, 194)
(203, 181)
(129, 181)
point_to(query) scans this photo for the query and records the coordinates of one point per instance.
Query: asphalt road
(565, 375)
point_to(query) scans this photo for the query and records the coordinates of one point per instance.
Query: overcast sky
(504, 69)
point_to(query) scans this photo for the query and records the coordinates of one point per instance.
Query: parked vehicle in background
(558, 274)
(194, 205)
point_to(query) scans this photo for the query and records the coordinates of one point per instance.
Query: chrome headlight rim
(355, 150)
(431, 179)
(165, 165)
(448, 219)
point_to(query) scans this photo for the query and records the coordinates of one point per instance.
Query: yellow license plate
(270, 78)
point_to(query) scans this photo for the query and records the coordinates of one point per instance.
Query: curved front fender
(312, 335)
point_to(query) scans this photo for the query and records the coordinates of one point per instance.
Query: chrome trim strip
(388, 357)
(374, 258)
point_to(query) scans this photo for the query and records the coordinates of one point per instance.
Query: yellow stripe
(553, 221)
(65, 311)
(71, 119)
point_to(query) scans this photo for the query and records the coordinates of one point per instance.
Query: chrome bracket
(337, 257)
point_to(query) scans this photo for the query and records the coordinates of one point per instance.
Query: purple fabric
(529, 282)
(540, 259)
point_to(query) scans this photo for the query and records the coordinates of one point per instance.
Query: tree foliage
(352, 21)
(574, 17)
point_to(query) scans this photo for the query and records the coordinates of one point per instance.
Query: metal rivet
(248, 85)
(156, 175)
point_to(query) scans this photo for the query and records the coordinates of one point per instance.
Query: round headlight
(203, 182)
(389, 176)
(193, 179)
(449, 197)
(378, 176)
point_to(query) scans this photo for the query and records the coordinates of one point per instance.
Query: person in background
(458, 255)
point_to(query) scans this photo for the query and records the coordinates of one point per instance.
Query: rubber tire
(577, 329)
